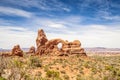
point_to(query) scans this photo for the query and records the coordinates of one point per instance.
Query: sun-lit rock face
(40, 42)
(52, 46)
(17, 51)
(41, 38)
(57, 46)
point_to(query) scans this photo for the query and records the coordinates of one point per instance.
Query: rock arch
(45, 46)
(54, 43)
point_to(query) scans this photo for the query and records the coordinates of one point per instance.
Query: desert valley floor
(72, 67)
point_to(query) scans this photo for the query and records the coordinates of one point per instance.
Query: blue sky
(96, 23)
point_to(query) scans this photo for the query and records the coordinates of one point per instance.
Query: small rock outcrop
(17, 51)
(32, 50)
(45, 46)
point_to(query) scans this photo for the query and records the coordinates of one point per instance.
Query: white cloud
(14, 12)
(89, 35)
(11, 36)
(100, 35)
(68, 28)
(92, 35)
(67, 9)
(115, 18)
(46, 23)
(5, 22)
(10, 28)
(52, 5)
(54, 25)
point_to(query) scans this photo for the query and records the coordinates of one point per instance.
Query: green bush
(52, 73)
(78, 77)
(109, 67)
(27, 77)
(18, 64)
(35, 62)
(1, 78)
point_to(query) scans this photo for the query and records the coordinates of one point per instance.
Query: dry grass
(72, 67)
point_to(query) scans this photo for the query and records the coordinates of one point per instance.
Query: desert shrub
(64, 65)
(1, 78)
(66, 77)
(81, 72)
(1, 66)
(27, 77)
(109, 67)
(78, 77)
(35, 62)
(63, 72)
(39, 78)
(105, 78)
(94, 70)
(59, 61)
(80, 68)
(76, 68)
(46, 68)
(39, 73)
(86, 65)
(52, 73)
(5, 62)
(118, 72)
(18, 63)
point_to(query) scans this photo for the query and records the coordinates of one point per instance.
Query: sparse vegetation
(1, 78)
(71, 67)
(66, 77)
(35, 62)
(52, 74)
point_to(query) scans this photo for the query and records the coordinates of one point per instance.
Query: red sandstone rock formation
(40, 42)
(50, 47)
(73, 47)
(41, 38)
(17, 51)
(31, 50)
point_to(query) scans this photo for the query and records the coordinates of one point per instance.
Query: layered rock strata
(45, 46)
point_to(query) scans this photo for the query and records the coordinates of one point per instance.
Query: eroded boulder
(17, 51)
(31, 50)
